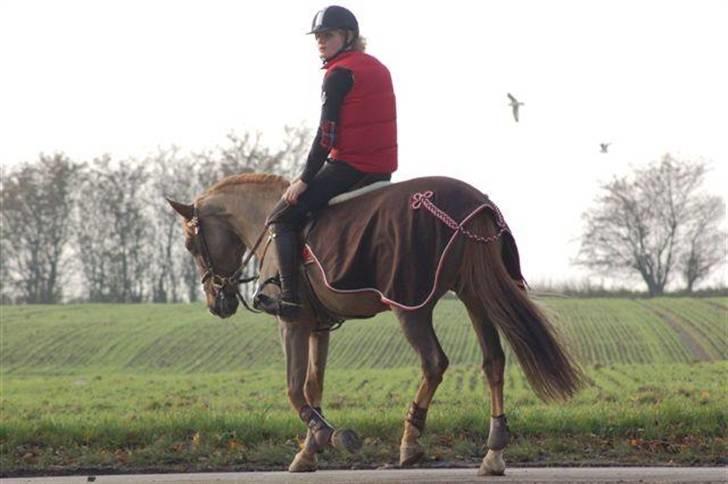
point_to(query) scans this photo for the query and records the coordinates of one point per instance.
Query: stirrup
(277, 307)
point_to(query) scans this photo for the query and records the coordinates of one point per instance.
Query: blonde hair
(360, 44)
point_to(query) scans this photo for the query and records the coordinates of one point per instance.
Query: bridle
(217, 281)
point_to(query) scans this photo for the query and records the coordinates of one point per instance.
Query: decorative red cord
(423, 198)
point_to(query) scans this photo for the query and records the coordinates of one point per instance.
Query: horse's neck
(249, 210)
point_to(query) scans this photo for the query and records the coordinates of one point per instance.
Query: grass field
(165, 387)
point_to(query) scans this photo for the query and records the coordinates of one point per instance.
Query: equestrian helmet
(334, 18)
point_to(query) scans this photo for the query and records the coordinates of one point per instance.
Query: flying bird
(604, 146)
(514, 105)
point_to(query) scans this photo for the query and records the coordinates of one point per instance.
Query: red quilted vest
(366, 136)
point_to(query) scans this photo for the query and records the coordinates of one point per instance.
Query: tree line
(101, 231)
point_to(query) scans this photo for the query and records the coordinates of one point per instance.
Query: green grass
(137, 421)
(55, 340)
(169, 387)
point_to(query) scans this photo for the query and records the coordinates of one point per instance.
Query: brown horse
(230, 217)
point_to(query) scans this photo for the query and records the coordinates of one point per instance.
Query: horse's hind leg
(417, 327)
(493, 367)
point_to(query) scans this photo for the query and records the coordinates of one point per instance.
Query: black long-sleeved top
(336, 86)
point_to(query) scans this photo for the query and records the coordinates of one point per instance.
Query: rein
(217, 281)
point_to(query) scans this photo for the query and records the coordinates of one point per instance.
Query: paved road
(420, 476)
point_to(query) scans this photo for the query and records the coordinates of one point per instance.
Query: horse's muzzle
(224, 306)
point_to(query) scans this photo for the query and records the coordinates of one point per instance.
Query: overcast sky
(123, 77)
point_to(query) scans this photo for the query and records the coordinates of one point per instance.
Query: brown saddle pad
(393, 240)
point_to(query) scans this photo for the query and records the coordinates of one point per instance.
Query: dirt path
(420, 476)
(687, 339)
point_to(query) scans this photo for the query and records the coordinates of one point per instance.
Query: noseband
(217, 281)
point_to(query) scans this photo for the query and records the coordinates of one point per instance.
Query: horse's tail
(492, 269)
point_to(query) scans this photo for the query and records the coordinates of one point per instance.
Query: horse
(230, 217)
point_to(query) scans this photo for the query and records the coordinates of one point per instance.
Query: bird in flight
(604, 147)
(514, 105)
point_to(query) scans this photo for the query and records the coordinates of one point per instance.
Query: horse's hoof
(493, 464)
(410, 454)
(303, 462)
(347, 440)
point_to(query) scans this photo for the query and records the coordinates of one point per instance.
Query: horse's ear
(187, 211)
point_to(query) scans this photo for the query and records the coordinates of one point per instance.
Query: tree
(641, 223)
(290, 158)
(246, 153)
(37, 202)
(6, 286)
(172, 176)
(114, 233)
(704, 241)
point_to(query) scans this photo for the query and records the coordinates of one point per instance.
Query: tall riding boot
(287, 305)
(287, 247)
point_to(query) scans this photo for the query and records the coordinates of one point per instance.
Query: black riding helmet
(332, 18)
(335, 17)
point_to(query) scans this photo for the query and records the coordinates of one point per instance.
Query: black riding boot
(287, 305)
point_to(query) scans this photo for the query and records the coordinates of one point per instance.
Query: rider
(356, 142)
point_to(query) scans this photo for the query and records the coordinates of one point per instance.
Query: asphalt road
(513, 475)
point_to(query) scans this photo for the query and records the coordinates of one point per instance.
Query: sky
(125, 77)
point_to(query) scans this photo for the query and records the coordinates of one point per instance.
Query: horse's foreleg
(295, 339)
(494, 362)
(417, 327)
(314, 387)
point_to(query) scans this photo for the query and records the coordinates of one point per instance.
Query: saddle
(393, 241)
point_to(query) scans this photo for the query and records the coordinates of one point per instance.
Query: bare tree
(243, 154)
(291, 157)
(114, 232)
(639, 222)
(246, 153)
(172, 176)
(705, 243)
(7, 288)
(37, 201)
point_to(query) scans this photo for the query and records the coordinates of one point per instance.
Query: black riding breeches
(335, 178)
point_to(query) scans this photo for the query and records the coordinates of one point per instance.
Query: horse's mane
(234, 181)
(248, 178)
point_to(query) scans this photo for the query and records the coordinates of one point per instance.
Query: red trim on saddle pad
(307, 256)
